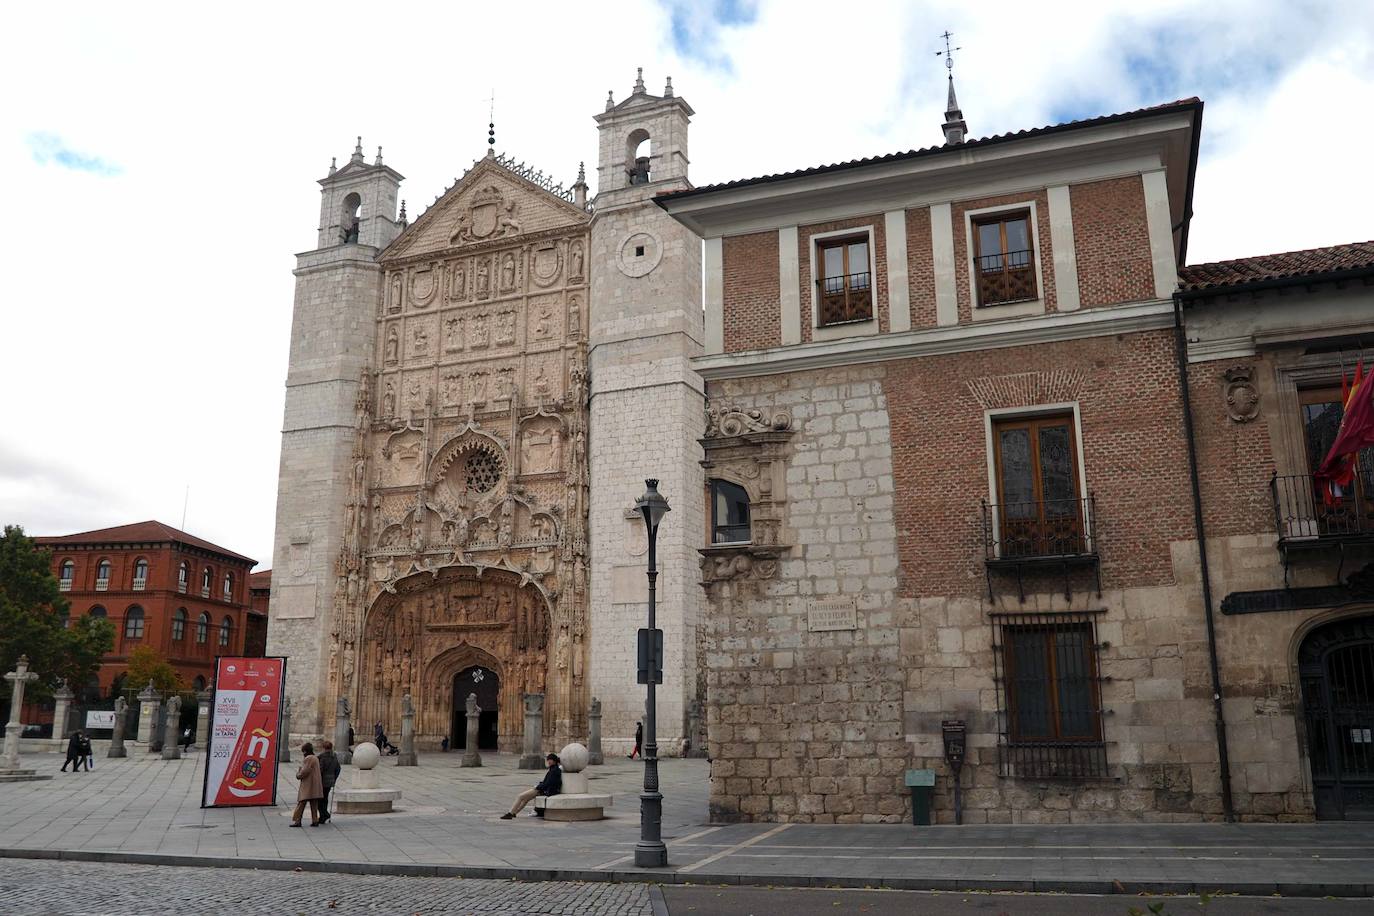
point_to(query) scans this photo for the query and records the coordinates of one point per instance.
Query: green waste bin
(921, 783)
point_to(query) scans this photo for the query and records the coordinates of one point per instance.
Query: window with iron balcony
(68, 573)
(845, 281)
(1004, 259)
(140, 575)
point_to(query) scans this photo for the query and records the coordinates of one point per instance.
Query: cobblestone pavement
(88, 889)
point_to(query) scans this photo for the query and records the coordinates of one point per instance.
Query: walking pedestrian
(551, 784)
(74, 755)
(86, 753)
(329, 774)
(310, 789)
(639, 740)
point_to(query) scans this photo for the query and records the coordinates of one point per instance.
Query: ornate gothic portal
(465, 539)
(432, 630)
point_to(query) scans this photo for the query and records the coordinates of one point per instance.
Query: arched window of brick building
(206, 577)
(179, 625)
(140, 575)
(98, 612)
(183, 576)
(133, 623)
(199, 683)
(64, 583)
(202, 628)
(228, 586)
(225, 629)
(102, 576)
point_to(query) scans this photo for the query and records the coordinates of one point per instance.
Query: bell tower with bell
(646, 410)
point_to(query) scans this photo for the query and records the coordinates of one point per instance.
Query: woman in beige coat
(311, 788)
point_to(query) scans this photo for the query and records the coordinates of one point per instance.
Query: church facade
(434, 519)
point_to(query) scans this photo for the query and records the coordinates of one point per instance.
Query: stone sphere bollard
(573, 758)
(366, 756)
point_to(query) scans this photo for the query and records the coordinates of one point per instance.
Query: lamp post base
(651, 855)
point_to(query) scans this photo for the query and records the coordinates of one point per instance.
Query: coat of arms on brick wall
(1242, 398)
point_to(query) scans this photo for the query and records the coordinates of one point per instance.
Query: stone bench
(574, 803)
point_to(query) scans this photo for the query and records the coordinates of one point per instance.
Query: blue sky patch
(696, 26)
(51, 149)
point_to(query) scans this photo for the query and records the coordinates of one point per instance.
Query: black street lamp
(650, 851)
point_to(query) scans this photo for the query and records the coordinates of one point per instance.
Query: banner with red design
(245, 726)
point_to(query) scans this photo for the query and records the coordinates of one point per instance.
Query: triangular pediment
(490, 203)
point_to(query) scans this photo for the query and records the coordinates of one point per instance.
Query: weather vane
(948, 52)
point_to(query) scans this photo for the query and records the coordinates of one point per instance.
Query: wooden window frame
(1032, 423)
(1047, 634)
(1001, 218)
(179, 620)
(863, 298)
(714, 525)
(130, 618)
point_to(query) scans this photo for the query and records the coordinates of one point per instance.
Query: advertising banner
(100, 718)
(245, 726)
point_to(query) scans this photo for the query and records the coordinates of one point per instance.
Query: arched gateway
(1336, 664)
(434, 628)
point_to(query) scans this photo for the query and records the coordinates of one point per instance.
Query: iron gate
(1336, 664)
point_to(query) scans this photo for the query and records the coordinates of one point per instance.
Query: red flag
(1356, 432)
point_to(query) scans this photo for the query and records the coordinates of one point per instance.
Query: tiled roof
(139, 533)
(1288, 265)
(260, 580)
(1180, 105)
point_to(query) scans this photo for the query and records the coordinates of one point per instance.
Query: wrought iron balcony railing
(845, 298)
(1006, 276)
(1051, 532)
(1304, 520)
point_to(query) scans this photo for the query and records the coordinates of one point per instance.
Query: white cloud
(148, 313)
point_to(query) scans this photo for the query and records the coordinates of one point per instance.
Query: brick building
(160, 587)
(949, 473)
(259, 596)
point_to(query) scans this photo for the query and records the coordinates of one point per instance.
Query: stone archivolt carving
(1242, 397)
(749, 446)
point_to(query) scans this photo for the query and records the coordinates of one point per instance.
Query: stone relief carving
(505, 327)
(574, 316)
(1242, 397)
(389, 401)
(575, 261)
(458, 281)
(393, 346)
(722, 420)
(479, 334)
(453, 334)
(507, 272)
(483, 278)
(546, 264)
(419, 342)
(540, 449)
(488, 216)
(423, 284)
(395, 291)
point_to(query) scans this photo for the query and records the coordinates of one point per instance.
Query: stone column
(341, 748)
(696, 737)
(407, 758)
(121, 718)
(203, 717)
(474, 712)
(594, 755)
(63, 695)
(284, 735)
(533, 758)
(19, 678)
(171, 730)
(149, 700)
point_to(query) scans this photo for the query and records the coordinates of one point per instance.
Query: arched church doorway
(486, 684)
(1336, 665)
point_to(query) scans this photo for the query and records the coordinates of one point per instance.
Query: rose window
(483, 471)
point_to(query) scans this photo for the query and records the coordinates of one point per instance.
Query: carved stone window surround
(1286, 436)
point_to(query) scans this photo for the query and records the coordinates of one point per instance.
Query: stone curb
(508, 873)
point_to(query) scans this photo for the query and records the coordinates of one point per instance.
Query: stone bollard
(407, 758)
(171, 750)
(63, 697)
(532, 758)
(121, 717)
(474, 712)
(594, 755)
(365, 795)
(203, 718)
(284, 738)
(149, 700)
(341, 714)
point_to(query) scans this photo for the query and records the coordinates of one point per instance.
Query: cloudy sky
(161, 160)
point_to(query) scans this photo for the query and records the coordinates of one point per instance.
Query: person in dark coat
(75, 755)
(551, 784)
(639, 740)
(86, 756)
(329, 774)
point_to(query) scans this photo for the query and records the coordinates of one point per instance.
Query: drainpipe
(1223, 758)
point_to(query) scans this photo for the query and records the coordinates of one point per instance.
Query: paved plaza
(144, 809)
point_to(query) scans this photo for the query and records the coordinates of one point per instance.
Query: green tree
(147, 664)
(33, 619)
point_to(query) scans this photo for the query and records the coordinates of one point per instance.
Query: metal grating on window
(1049, 696)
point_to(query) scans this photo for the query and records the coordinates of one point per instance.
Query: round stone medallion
(639, 254)
(366, 755)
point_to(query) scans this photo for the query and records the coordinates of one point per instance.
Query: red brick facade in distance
(160, 587)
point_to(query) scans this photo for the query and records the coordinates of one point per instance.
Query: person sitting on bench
(551, 784)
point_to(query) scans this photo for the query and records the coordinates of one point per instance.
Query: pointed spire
(379, 156)
(358, 152)
(954, 127)
(610, 99)
(404, 220)
(491, 138)
(333, 164)
(579, 187)
(668, 89)
(639, 81)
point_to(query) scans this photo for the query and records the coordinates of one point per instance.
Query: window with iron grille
(846, 283)
(1049, 696)
(1004, 258)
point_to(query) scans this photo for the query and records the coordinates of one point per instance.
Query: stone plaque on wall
(293, 602)
(832, 614)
